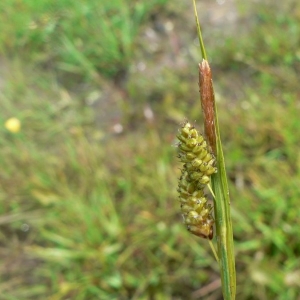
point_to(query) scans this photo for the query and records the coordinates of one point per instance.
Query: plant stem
(223, 222)
(224, 226)
(203, 52)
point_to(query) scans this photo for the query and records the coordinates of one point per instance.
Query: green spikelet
(198, 165)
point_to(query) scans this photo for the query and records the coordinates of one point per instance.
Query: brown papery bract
(208, 103)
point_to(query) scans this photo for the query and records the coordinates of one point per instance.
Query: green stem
(224, 224)
(213, 249)
(203, 52)
(222, 205)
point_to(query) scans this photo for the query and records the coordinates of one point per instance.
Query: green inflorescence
(198, 166)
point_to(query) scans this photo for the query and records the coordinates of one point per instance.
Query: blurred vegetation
(88, 196)
(81, 38)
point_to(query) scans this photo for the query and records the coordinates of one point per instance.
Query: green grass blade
(223, 223)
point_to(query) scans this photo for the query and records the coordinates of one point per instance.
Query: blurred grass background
(88, 195)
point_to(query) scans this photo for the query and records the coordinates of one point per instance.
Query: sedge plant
(203, 163)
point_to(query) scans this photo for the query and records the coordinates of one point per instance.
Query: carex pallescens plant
(203, 162)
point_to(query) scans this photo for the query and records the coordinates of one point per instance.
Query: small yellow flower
(13, 125)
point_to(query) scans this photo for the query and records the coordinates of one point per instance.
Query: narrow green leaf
(223, 223)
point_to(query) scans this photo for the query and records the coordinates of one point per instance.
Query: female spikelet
(198, 165)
